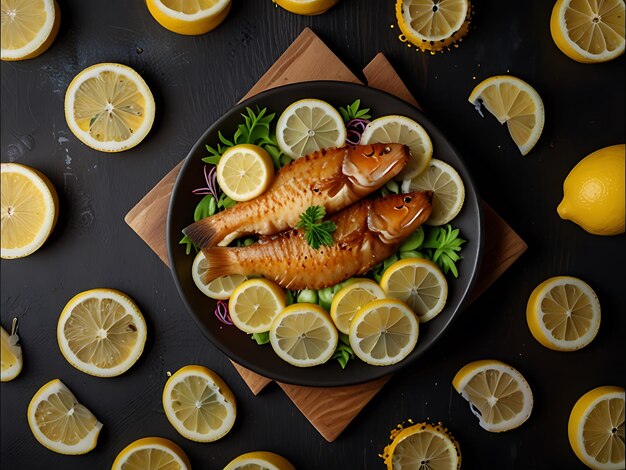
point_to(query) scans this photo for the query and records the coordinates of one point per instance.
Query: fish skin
(367, 233)
(333, 178)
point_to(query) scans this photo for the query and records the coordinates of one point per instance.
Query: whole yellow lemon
(593, 192)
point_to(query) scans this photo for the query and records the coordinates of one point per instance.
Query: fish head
(367, 167)
(397, 216)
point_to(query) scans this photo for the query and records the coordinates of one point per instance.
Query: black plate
(238, 345)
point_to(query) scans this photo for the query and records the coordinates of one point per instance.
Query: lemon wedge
(401, 130)
(259, 460)
(563, 313)
(220, 288)
(309, 125)
(433, 25)
(254, 305)
(199, 404)
(304, 335)
(189, 17)
(447, 187)
(306, 7)
(152, 453)
(514, 102)
(419, 283)
(109, 107)
(244, 172)
(498, 394)
(10, 354)
(29, 210)
(423, 446)
(596, 428)
(383, 332)
(28, 27)
(350, 299)
(101, 332)
(60, 423)
(589, 31)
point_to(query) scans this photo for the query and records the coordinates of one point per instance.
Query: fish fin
(206, 233)
(220, 263)
(333, 185)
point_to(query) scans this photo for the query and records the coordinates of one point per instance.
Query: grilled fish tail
(220, 263)
(207, 232)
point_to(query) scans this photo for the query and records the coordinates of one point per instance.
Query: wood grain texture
(330, 410)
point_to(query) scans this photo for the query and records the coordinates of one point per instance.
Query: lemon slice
(152, 453)
(514, 102)
(101, 332)
(419, 283)
(220, 288)
(423, 446)
(433, 25)
(60, 423)
(350, 299)
(10, 354)
(244, 172)
(109, 107)
(401, 130)
(28, 27)
(189, 17)
(309, 125)
(259, 460)
(199, 404)
(304, 335)
(596, 428)
(498, 394)
(254, 305)
(306, 7)
(447, 187)
(589, 31)
(563, 313)
(29, 209)
(383, 332)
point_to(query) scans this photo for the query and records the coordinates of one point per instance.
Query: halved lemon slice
(304, 335)
(28, 27)
(433, 25)
(101, 332)
(254, 305)
(514, 102)
(589, 31)
(10, 354)
(419, 283)
(350, 299)
(563, 313)
(447, 187)
(60, 423)
(259, 460)
(422, 446)
(152, 453)
(498, 394)
(596, 428)
(383, 332)
(199, 404)
(244, 172)
(309, 125)
(220, 288)
(402, 130)
(29, 209)
(109, 107)
(189, 17)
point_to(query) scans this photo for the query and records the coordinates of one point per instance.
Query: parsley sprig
(317, 231)
(344, 352)
(352, 111)
(442, 246)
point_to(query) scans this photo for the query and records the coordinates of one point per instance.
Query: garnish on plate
(356, 121)
(444, 244)
(317, 231)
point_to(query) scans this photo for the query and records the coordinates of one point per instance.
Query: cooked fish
(333, 178)
(367, 233)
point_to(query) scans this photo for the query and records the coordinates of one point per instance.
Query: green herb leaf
(186, 241)
(261, 338)
(352, 111)
(316, 232)
(205, 208)
(442, 245)
(344, 352)
(225, 202)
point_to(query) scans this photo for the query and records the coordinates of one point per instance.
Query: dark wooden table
(195, 80)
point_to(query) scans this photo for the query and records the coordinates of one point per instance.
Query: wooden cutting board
(329, 410)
